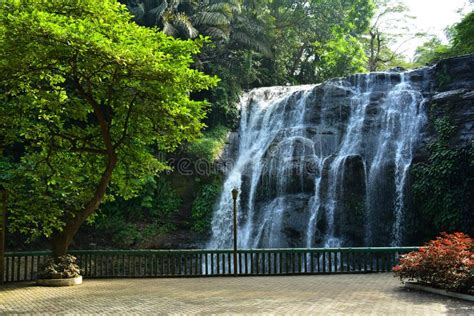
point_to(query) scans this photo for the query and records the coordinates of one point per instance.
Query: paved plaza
(363, 294)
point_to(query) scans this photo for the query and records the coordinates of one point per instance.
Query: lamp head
(235, 193)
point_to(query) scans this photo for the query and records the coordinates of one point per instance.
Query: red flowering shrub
(446, 262)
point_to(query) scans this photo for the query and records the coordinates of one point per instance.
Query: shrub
(446, 262)
(211, 145)
(203, 206)
(129, 223)
(60, 268)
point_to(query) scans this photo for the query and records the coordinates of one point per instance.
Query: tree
(430, 51)
(280, 42)
(90, 99)
(265, 42)
(389, 29)
(186, 19)
(462, 38)
(461, 42)
(234, 34)
(311, 39)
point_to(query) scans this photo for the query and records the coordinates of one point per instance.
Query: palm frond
(182, 23)
(250, 25)
(169, 29)
(217, 33)
(156, 13)
(252, 42)
(137, 10)
(223, 7)
(210, 18)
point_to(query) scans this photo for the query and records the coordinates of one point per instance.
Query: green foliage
(203, 206)
(461, 43)
(89, 97)
(443, 78)
(443, 185)
(263, 43)
(134, 221)
(462, 37)
(431, 51)
(389, 26)
(123, 234)
(343, 55)
(225, 97)
(186, 19)
(211, 145)
(284, 42)
(311, 39)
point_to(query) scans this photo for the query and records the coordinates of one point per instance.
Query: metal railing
(24, 266)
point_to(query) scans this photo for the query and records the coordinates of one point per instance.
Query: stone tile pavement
(361, 294)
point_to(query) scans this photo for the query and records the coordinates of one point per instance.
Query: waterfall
(323, 165)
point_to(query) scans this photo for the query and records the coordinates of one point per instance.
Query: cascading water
(323, 165)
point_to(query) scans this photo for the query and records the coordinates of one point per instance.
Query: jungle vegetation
(101, 98)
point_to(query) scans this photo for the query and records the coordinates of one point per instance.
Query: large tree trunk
(372, 57)
(62, 240)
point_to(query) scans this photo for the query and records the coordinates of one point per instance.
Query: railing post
(3, 228)
(235, 194)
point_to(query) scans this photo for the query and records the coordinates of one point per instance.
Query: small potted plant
(61, 271)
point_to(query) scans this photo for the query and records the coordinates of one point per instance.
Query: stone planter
(60, 282)
(419, 287)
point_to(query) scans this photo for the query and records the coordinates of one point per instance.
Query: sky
(432, 16)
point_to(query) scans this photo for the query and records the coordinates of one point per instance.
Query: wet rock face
(453, 74)
(350, 217)
(450, 95)
(281, 221)
(330, 108)
(328, 165)
(457, 104)
(225, 162)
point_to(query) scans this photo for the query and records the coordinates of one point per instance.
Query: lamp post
(235, 194)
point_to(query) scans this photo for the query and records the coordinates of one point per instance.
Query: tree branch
(125, 125)
(74, 148)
